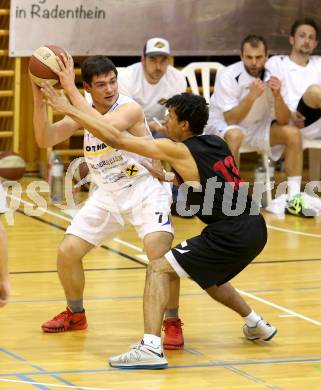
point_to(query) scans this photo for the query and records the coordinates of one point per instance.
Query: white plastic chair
(314, 146)
(205, 68)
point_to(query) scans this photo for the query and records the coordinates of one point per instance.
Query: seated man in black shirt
(235, 235)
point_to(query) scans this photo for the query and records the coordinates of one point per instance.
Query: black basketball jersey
(222, 193)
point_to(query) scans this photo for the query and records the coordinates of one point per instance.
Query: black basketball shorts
(221, 251)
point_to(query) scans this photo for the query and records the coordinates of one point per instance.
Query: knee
(234, 137)
(313, 91)
(157, 244)
(67, 253)
(156, 252)
(292, 136)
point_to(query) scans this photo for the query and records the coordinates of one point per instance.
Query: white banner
(121, 27)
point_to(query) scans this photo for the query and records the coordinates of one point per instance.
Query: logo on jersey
(131, 170)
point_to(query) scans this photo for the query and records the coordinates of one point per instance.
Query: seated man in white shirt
(246, 109)
(300, 74)
(152, 81)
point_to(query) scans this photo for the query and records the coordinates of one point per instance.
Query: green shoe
(296, 205)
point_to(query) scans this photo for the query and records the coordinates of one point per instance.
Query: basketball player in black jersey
(235, 233)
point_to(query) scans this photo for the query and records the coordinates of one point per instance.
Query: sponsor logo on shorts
(182, 251)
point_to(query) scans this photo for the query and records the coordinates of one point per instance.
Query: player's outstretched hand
(55, 98)
(157, 170)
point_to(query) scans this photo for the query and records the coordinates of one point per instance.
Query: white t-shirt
(132, 83)
(112, 167)
(295, 78)
(231, 87)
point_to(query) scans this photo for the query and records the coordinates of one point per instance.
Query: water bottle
(260, 177)
(271, 169)
(56, 178)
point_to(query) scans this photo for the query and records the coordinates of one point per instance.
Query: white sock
(152, 341)
(252, 319)
(294, 185)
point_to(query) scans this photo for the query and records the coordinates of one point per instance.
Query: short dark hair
(304, 21)
(190, 108)
(254, 41)
(95, 66)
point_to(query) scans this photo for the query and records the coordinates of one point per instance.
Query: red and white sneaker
(173, 338)
(67, 320)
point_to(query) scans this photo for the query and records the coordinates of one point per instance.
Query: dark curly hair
(190, 108)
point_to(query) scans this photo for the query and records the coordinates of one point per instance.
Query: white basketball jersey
(112, 167)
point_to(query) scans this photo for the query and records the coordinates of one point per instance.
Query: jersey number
(229, 170)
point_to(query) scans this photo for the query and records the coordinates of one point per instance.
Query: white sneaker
(261, 331)
(140, 357)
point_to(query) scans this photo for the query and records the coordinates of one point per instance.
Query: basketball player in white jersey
(127, 193)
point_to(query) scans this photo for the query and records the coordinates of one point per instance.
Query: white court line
(279, 307)
(143, 257)
(137, 248)
(293, 231)
(54, 385)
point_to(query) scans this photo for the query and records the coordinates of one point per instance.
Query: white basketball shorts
(145, 204)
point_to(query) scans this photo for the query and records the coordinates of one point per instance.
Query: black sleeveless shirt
(222, 193)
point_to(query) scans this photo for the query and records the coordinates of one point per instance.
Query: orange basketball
(41, 63)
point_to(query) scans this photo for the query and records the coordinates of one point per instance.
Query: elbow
(42, 144)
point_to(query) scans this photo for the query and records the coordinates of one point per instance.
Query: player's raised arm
(163, 149)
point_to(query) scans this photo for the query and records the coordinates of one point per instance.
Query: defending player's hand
(156, 169)
(55, 98)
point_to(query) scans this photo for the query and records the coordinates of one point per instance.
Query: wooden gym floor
(283, 284)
